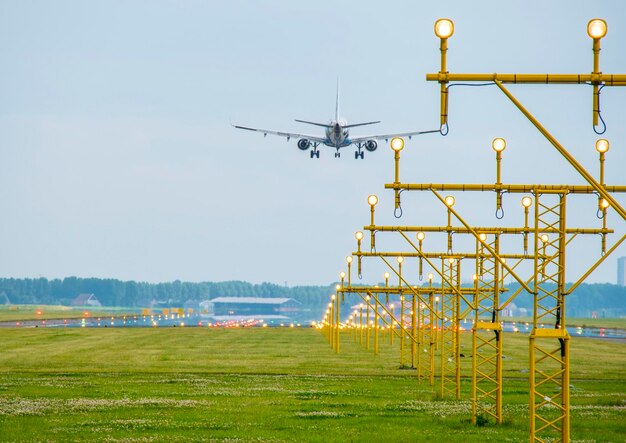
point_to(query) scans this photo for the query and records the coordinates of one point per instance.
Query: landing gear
(315, 153)
(337, 154)
(359, 152)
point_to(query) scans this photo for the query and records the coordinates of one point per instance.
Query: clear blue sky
(117, 158)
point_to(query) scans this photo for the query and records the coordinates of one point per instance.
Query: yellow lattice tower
(450, 343)
(549, 347)
(487, 334)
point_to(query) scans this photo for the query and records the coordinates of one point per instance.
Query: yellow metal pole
(338, 325)
(401, 321)
(415, 340)
(484, 187)
(457, 332)
(332, 324)
(474, 333)
(367, 326)
(438, 321)
(497, 330)
(444, 87)
(397, 176)
(596, 89)
(433, 334)
(376, 313)
(607, 79)
(361, 325)
(562, 324)
(392, 325)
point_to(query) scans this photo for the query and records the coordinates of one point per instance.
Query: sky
(118, 158)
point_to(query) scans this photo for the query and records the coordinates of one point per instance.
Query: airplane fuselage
(336, 135)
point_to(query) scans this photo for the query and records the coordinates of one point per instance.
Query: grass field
(283, 384)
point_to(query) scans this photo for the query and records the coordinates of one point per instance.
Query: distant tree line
(111, 292)
(603, 299)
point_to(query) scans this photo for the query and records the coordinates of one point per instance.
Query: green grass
(283, 384)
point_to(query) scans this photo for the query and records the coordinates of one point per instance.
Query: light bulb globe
(596, 28)
(498, 144)
(444, 28)
(602, 145)
(397, 144)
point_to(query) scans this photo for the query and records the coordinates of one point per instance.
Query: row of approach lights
(596, 28)
(498, 145)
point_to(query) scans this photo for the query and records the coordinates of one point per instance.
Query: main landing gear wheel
(315, 154)
(359, 154)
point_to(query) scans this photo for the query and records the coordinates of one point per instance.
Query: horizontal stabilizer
(323, 125)
(361, 124)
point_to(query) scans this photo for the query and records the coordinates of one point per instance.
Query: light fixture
(358, 235)
(386, 275)
(349, 259)
(482, 236)
(498, 144)
(527, 201)
(342, 274)
(602, 145)
(430, 276)
(397, 144)
(400, 259)
(544, 238)
(444, 28)
(451, 260)
(421, 236)
(596, 28)
(372, 200)
(449, 201)
(604, 203)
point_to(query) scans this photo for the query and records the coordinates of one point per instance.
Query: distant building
(621, 271)
(241, 308)
(86, 300)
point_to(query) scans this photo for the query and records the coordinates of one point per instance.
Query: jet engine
(371, 145)
(304, 144)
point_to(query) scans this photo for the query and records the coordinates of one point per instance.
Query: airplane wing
(287, 135)
(386, 137)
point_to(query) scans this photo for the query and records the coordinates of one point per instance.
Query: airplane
(337, 135)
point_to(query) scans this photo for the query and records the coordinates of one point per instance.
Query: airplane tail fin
(361, 124)
(337, 102)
